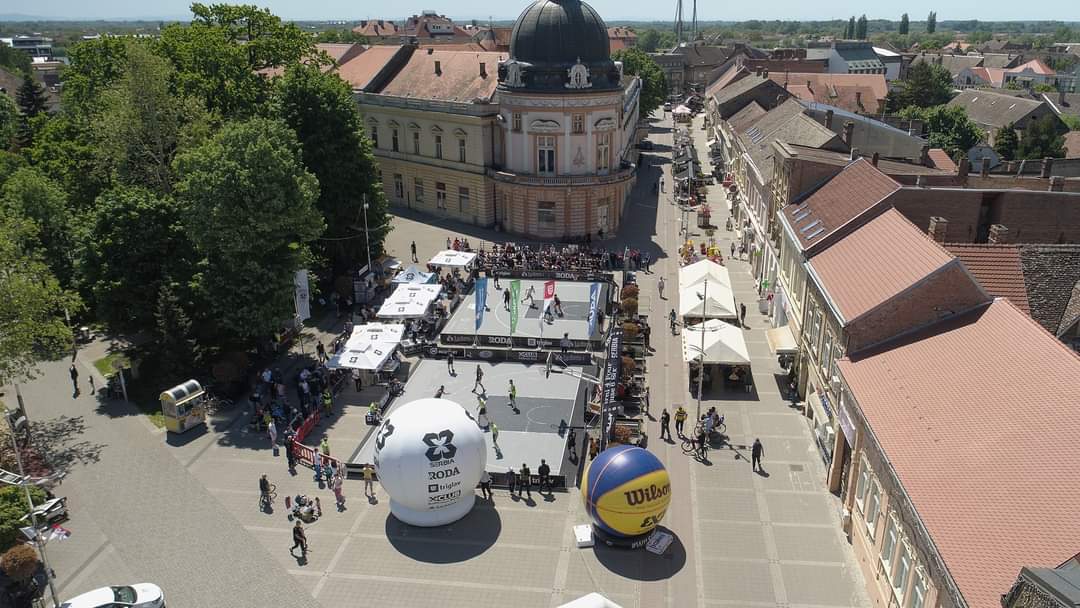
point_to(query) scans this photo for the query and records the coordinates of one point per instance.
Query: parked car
(142, 595)
(667, 107)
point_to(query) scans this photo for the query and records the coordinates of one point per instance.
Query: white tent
(682, 110)
(714, 301)
(376, 333)
(724, 343)
(413, 275)
(370, 356)
(409, 301)
(592, 600)
(452, 259)
(693, 274)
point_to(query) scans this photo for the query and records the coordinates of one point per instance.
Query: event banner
(496, 355)
(302, 295)
(612, 369)
(549, 296)
(594, 307)
(560, 275)
(481, 301)
(515, 301)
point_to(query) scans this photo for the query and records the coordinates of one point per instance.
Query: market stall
(721, 348)
(697, 272)
(453, 259)
(414, 276)
(409, 302)
(707, 299)
(182, 406)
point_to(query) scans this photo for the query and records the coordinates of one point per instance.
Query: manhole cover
(798, 468)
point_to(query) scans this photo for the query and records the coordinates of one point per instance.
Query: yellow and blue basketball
(626, 490)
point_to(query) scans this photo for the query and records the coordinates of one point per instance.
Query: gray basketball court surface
(574, 297)
(545, 407)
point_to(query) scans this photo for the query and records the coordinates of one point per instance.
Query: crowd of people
(568, 257)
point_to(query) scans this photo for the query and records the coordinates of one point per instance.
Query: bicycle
(215, 403)
(266, 499)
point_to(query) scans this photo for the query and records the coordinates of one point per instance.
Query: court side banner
(559, 275)
(594, 306)
(515, 302)
(612, 368)
(481, 301)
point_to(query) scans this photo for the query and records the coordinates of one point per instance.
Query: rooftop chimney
(1057, 183)
(430, 50)
(854, 154)
(962, 169)
(1046, 165)
(874, 159)
(765, 73)
(924, 155)
(938, 227)
(483, 70)
(849, 130)
(757, 71)
(999, 234)
(984, 170)
(858, 98)
(438, 68)
(828, 119)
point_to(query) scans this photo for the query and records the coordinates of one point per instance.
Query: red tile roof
(877, 261)
(858, 187)
(733, 73)
(377, 28)
(997, 268)
(460, 78)
(1035, 65)
(859, 93)
(977, 415)
(359, 70)
(941, 160)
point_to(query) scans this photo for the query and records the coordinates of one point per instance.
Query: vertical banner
(594, 307)
(302, 296)
(612, 370)
(515, 301)
(481, 301)
(549, 297)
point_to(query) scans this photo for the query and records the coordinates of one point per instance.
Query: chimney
(984, 170)
(920, 181)
(962, 169)
(757, 71)
(430, 50)
(849, 130)
(1057, 183)
(1047, 164)
(938, 227)
(874, 159)
(854, 154)
(438, 68)
(765, 73)
(924, 155)
(999, 234)
(828, 119)
(858, 98)
(483, 70)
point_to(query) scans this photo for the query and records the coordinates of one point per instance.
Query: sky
(610, 10)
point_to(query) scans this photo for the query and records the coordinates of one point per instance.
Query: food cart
(182, 406)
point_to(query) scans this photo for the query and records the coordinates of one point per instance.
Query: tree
(860, 28)
(926, 85)
(29, 194)
(66, 150)
(9, 164)
(9, 122)
(320, 108)
(931, 22)
(905, 25)
(849, 33)
(1041, 139)
(250, 211)
(178, 353)
(134, 244)
(19, 562)
(346, 35)
(221, 57)
(95, 65)
(32, 103)
(949, 128)
(653, 84)
(14, 60)
(648, 40)
(34, 303)
(1006, 141)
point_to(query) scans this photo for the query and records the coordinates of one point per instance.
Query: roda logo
(384, 432)
(440, 446)
(644, 495)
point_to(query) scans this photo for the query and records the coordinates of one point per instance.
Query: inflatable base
(429, 519)
(623, 542)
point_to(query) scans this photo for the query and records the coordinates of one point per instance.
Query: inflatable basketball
(626, 490)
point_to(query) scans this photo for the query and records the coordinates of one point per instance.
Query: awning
(452, 259)
(368, 356)
(412, 274)
(697, 272)
(781, 341)
(409, 301)
(723, 343)
(376, 333)
(682, 110)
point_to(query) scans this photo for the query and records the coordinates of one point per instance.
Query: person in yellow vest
(680, 420)
(324, 446)
(373, 410)
(328, 402)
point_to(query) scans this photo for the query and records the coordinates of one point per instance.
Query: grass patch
(104, 365)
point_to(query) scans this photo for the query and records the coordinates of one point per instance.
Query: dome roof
(559, 32)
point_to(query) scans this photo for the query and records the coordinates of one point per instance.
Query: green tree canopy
(9, 122)
(66, 151)
(949, 128)
(653, 84)
(250, 211)
(29, 194)
(134, 243)
(1041, 139)
(1006, 141)
(320, 108)
(931, 22)
(905, 25)
(14, 60)
(32, 102)
(926, 85)
(94, 66)
(860, 28)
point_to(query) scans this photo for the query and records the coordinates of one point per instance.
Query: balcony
(625, 172)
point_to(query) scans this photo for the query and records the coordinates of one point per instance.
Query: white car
(142, 595)
(667, 107)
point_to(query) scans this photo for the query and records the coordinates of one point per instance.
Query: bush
(631, 329)
(621, 434)
(629, 291)
(12, 507)
(19, 562)
(630, 307)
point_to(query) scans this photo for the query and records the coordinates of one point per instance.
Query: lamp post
(701, 369)
(367, 237)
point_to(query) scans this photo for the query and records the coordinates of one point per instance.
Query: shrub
(12, 507)
(630, 307)
(19, 562)
(629, 291)
(631, 329)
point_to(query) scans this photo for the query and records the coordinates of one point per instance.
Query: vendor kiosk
(182, 406)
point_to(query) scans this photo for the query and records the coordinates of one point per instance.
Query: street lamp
(367, 237)
(701, 370)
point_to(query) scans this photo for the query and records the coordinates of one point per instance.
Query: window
(815, 331)
(900, 573)
(545, 162)
(863, 484)
(374, 136)
(438, 146)
(917, 598)
(873, 503)
(888, 545)
(837, 353)
(516, 122)
(545, 214)
(416, 142)
(394, 140)
(418, 191)
(399, 186)
(578, 123)
(440, 195)
(461, 150)
(603, 151)
(463, 199)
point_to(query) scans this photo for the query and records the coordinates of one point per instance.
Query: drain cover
(798, 468)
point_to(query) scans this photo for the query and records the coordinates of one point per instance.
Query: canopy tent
(724, 343)
(409, 301)
(453, 259)
(709, 296)
(376, 333)
(413, 275)
(682, 109)
(370, 356)
(781, 340)
(692, 274)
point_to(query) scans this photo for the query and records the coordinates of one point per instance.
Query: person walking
(330, 472)
(75, 379)
(369, 480)
(450, 363)
(506, 299)
(732, 256)
(564, 344)
(93, 389)
(320, 350)
(661, 183)
(316, 463)
(271, 431)
(338, 495)
(529, 296)
(511, 480)
(358, 382)
(645, 400)
(324, 446)
(544, 471)
(495, 435)
(525, 481)
(571, 441)
(299, 539)
(327, 402)
(646, 262)
(479, 380)
(485, 486)
(412, 249)
(742, 314)
(290, 454)
(557, 303)
(756, 452)
(513, 396)
(665, 421)
(660, 287)
(680, 420)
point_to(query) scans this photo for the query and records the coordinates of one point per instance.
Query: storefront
(823, 425)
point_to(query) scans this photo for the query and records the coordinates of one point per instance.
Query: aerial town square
(542, 304)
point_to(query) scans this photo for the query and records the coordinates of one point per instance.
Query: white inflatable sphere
(429, 455)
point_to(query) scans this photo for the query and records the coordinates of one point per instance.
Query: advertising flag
(594, 307)
(302, 295)
(481, 301)
(610, 403)
(515, 300)
(549, 297)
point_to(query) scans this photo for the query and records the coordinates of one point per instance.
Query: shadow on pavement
(457, 542)
(187, 437)
(58, 438)
(642, 565)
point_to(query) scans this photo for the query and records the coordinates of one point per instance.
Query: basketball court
(546, 406)
(495, 329)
